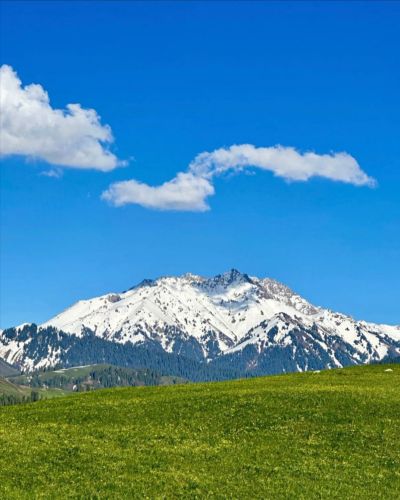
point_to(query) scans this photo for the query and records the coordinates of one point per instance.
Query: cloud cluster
(189, 190)
(75, 137)
(31, 127)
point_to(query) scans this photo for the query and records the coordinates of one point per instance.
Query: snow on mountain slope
(226, 306)
(223, 317)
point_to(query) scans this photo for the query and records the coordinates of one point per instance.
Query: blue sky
(173, 80)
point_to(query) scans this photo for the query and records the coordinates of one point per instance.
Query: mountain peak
(145, 282)
(234, 273)
(231, 277)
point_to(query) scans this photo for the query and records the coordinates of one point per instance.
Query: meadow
(333, 434)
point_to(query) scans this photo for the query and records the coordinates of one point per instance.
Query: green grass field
(335, 434)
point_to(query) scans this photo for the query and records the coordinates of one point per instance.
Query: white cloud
(74, 137)
(188, 191)
(30, 127)
(284, 162)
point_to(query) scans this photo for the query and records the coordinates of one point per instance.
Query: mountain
(221, 327)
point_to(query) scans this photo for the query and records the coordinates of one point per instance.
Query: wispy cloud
(55, 173)
(283, 161)
(190, 190)
(30, 127)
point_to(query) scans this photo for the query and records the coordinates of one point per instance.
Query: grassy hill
(81, 378)
(9, 389)
(12, 393)
(333, 434)
(22, 388)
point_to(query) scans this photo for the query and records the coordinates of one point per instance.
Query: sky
(163, 138)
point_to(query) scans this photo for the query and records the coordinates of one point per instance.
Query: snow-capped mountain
(231, 321)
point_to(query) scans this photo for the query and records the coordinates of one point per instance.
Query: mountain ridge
(229, 320)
